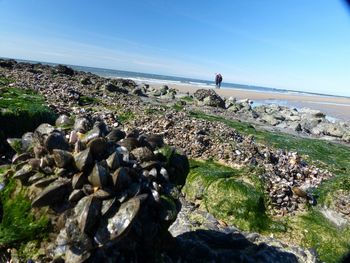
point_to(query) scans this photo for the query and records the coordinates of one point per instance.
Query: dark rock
(85, 81)
(61, 69)
(113, 88)
(7, 63)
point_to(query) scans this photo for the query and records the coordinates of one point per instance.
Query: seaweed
(22, 110)
(232, 195)
(20, 224)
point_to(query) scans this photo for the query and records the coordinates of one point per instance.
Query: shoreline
(334, 107)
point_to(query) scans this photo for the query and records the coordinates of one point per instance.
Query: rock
(113, 88)
(138, 91)
(7, 63)
(61, 69)
(312, 113)
(331, 129)
(333, 216)
(309, 123)
(209, 98)
(271, 120)
(213, 242)
(85, 81)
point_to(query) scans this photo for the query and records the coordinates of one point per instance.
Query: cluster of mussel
(114, 193)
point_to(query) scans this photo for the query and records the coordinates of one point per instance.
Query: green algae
(153, 111)
(178, 106)
(4, 81)
(126, 116)
(88, 100)
(20, 223)
(233, 195)
(187, 98)
(312, 229)
(22, 110)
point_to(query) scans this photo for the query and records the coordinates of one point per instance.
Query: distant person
(218, 80)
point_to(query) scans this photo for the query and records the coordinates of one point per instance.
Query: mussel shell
(88, 189)
(153, 141)
(88, 211)
(56, 140)
(78, 180)
(72, 243)
(92, 134)
(27, 141)
(42, 131)
(76, 195)
(36, 177)
(99, 177)
(108, 205)
(121, 179)
(21, 157)
(83, 160)
(24, 173)
(143, 154)
(103, 194)
(129, 143)
(46, 181)
(63, 159)
(16, 144)
(98, 148)
(180, 167)
(39, 151)
(115, 135)
(52, 193)
(79, 146)
(113, 228)
(114, 161)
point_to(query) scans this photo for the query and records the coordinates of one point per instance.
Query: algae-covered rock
(22, 110)
(227, 194)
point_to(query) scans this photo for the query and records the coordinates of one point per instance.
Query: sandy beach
(334, 107)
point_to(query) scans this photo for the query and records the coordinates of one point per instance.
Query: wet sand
(336, 107)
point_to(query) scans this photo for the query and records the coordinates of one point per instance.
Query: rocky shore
(108, 173)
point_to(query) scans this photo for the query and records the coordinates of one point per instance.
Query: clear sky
(294, 44)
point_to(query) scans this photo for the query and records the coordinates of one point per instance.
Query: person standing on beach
(218, 80)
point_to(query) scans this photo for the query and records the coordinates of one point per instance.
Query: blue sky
(293, 44)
